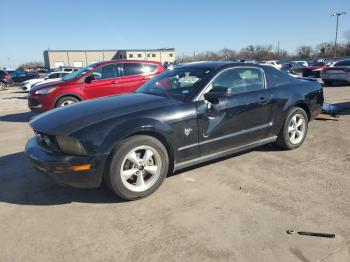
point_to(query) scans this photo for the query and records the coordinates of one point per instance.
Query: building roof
(89, 50)
(148, 50)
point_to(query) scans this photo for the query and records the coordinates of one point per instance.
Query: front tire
(137, 168)
(66, 100)
(294, 130)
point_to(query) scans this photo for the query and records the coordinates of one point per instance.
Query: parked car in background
(5, 79)
(273, 63)
(338, 72)
(67, 69)
(180, 118)
(96, 80)
(299, 63)
(52, 77)
(312, 70)
(20, 76)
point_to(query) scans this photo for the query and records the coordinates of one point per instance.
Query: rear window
(343, 63)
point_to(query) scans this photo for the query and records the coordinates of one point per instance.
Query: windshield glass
(79, 72)
(178, 83)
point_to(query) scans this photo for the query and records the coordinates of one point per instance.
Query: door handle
(115, 82)
(264, 100)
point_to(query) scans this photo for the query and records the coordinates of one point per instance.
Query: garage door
(78, 64)
(59, 64)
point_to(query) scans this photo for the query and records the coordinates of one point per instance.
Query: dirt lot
(236, 209)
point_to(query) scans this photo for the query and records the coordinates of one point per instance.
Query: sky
(30, 27)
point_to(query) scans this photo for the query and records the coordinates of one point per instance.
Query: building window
(153, 55)
(171, 55)
(148, 55)
(120, 56)
(131, 55)
(139, 55)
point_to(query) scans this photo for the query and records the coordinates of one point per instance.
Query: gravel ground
(235, 209)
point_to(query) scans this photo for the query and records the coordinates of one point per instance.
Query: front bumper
(47, 163)
(39, 103)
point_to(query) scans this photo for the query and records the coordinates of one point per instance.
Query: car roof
(214, 65)
(126, 61)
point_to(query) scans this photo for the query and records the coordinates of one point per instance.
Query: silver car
(340, 71)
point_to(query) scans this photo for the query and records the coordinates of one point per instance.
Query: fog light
(81, 167)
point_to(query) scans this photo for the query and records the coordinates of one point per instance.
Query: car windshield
(79, 72)
(178, 83)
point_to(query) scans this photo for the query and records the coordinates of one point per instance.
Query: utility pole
(278, 50)
(9, 61)
(336, 31)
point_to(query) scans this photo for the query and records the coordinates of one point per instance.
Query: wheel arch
(305, 107)
(67, 95)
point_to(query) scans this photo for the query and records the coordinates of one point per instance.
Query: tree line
(269, 52)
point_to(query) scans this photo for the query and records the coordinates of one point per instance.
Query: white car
(273, 63)
(52, 77)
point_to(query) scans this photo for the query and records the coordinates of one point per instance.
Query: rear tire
(3, 86)
(137, 168)
(294, 129)
(66, 100)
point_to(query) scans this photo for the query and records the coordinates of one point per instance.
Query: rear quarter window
(276, 78)
(131, 69)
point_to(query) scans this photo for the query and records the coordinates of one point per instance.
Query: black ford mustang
(185, 116)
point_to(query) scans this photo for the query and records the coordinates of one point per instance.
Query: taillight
(8, 77)
(324, 69)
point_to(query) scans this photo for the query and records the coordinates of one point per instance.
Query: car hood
(66, 120)
(48, 83)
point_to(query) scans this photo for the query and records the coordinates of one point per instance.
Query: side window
(131, 69)
(241, 80)
(276, 78)
(149, 68)
(105, 72)
(54, 76)
(63, 74)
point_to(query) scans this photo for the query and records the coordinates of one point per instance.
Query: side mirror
(89, 79)
(218, 93)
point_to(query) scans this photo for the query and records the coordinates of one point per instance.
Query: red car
(96, 80)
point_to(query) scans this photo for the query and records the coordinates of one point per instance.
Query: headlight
(46, 90)
(70, 145)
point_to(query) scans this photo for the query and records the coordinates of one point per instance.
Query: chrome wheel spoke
(148, 154)
(299, 122)
(292, 137)
(151, 170)
(129, 173)
(290, 129)
(298, 133)
(133, 158)
(140, 182)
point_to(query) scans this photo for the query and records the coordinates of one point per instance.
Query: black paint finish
(236, 123)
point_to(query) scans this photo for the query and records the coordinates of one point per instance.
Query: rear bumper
(47, 163)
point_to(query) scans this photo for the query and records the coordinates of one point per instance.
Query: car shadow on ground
(19, 117)
(21, 184)
(336, 84)
(15, 97)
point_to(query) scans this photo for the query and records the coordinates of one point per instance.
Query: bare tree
(304, 51)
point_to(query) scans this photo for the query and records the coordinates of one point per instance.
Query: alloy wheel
(141, 168)
(296, 129)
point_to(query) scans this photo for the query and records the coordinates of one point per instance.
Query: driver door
(240, 119)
